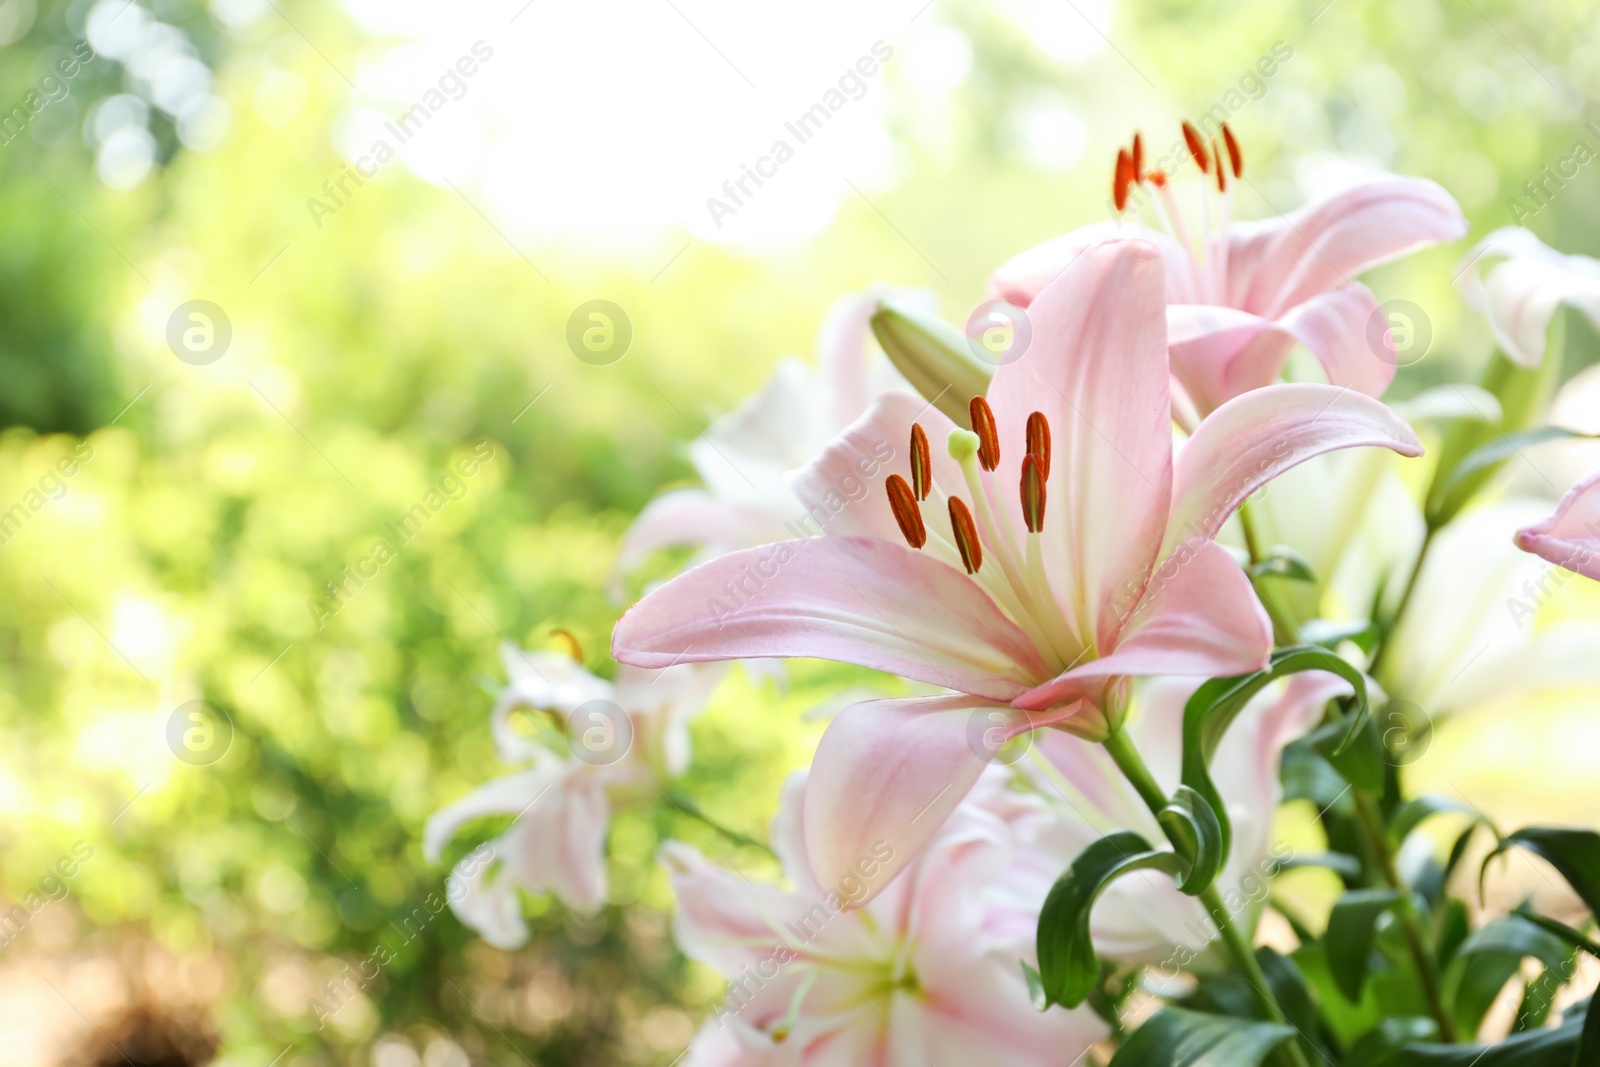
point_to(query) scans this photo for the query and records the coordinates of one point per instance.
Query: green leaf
(1575, 938)
(1589, 1044)
(1518, 938)
(1355, 750)
(1218, 702)
(1477, 982)
(1382, 1040)
(1541, 1048)
(1307, 775)
(1522, 393)
(1575, 853)
(1284, 562)
(1173, 1037)
(1352, 927)
(1035, 986)
(1068, 968)
(1231, 993)
(1194, 830)
(1413, 813)
(1339, 863)
(1489, 456)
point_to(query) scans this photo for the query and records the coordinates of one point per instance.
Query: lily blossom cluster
(1139, 590)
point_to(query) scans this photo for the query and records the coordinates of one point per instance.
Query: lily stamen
(1033, 493)
(966, 535)
(906, 512)
(921, 462)
(1039, 441)
(988, 434)
(1197, 147)
(1235, 157)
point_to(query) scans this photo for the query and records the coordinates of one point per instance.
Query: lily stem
(1405, 599)
(1284, 631)
(1132, 765)
(686, 805)
(1405, 910)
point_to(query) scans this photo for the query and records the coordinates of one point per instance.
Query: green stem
(1247, 524)
(1132, 765)
(1284, 631)
(1405, 600)
(687, 806)
(1410, 921)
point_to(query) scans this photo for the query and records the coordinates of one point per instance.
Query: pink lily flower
(1036, 614)
(920, 977)
(616, 743)
(1242, 294)
(1571, 537)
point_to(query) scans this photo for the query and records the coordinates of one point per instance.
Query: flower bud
(933, 356)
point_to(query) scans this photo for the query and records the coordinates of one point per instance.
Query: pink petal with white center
(559, 844)
(1278, 263)
(886, 775)
(1571, 537)
(841, 491)
(1198, 616)
(850, 599)
(1097, 368)
(1260, 434)
(1023, 277)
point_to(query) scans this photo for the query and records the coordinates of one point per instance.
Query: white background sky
(611, 122)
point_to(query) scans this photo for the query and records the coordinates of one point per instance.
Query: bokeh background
(381, 334)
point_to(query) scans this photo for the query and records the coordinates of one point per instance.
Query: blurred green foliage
(179, 561)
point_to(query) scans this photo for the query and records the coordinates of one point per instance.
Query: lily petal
(1097, 368)
(1198, 616)
(886, 775)
(1260, 434)
(503, 796)
(1520, 293)
(1218, 353)
(1571, 537)
(1278, 263)
(692, 516)
(1023, 277)
(841, 491)
(850, 599)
